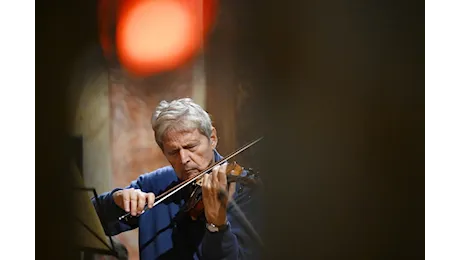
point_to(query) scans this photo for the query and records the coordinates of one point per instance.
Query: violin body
(195, 206)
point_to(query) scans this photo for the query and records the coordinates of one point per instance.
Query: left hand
(215, 210)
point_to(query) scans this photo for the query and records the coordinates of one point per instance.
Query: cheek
(201, 157)
(174, 161)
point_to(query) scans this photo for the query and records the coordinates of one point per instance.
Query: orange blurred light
(203, 10)
(156, 35)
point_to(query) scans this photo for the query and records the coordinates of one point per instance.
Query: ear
(213, 138)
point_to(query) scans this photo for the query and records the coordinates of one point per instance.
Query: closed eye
(173, 152)
(191, 147)
(188, 147)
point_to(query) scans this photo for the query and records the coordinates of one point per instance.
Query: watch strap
(213, 228)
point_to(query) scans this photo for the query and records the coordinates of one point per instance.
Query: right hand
(133, 200)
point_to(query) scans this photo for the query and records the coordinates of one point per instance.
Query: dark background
(339, 96)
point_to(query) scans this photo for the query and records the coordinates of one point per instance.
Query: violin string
(176, 188)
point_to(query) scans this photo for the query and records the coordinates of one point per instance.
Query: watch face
(212, 228)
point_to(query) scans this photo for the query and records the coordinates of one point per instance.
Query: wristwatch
(213, 228)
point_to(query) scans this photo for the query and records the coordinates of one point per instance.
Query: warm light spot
(156, 35)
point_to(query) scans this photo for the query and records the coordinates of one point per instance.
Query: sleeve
(108, 212)
(241, 240)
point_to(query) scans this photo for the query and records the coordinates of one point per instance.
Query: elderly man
(184, 132)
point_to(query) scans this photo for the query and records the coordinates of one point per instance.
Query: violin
(194, 206)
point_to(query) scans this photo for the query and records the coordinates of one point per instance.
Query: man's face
(189, 152)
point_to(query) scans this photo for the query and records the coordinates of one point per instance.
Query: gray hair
(180, 115)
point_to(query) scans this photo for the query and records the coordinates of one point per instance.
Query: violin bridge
(199, 182)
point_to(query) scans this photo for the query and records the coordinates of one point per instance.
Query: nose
(184, 156)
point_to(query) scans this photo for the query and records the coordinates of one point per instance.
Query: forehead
(174, 138)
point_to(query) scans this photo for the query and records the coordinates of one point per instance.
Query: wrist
(218, 221)
(115, 194)
(217, 228)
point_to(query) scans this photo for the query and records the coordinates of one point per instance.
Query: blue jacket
(165, 232)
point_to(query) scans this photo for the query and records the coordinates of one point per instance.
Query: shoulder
(160, 173)
(157, 179)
